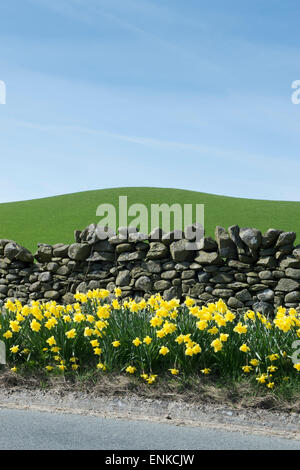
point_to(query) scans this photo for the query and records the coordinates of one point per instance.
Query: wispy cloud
(65, 8)
(90, 11)
(241, 156)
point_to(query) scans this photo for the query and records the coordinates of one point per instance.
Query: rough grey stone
(195, 266)
(168, 266)
(170, 237)
(77, 234)
(35, 287)
(204, 258)
(157, 251)
(137, 237)
(103, 246)
(156, 234)
(284, 250)
(289, 262)
(286, 238)
(293, 273)
(265, 275)
(251, 237)
(136, 255)
(267, 262)
(25, 255)
(63, 270)
(222, 293)
(180, 251)
(257, 287)
(234, 234)
(142, 246)
(3, 289)
(222, 278)
(152, 266)
(79, 251)
(4, 242)
(234, 303)
(287, 285)
(267, 252)
(160, 286)
(143, 283)
(61, 251)
(270, 237)
(207, 244)
(11, 249)
(188, 274)
(237, 285)
(206, 297)
(172, 293)
(68, 298)
(296, 253)
(51, 295)
(226, 246)
(194, 232)
(123, 278)
(117, 239)
(197, 290)
(243, 296)
(45, 277)
(291, 297)
(264, 308)
(97, 256)
(124, 247)
(82, 288)
(266, 295)
(183, 265)
(203, 276)
(240, 277)
(238, 265)
(169, 275)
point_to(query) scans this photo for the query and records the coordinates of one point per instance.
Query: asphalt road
(36, 430)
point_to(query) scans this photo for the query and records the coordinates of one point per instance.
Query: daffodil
(262, 378)
(247, 369)
(51, 341)
(35, 325)
(137, 341)
(223, 337)
(164, 350)
(240, 328)
(8, 334)
(147, 340)
(71, 333)
(15, 326)
(217, 345)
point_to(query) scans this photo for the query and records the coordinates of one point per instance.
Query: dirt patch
(197, 390)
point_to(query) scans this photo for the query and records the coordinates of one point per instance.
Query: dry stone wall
(242, 266)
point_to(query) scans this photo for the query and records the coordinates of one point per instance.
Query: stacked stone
(244, 267)
(16, 268)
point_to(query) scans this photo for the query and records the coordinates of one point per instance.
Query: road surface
(40, 430)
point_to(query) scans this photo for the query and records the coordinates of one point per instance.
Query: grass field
(54, 219)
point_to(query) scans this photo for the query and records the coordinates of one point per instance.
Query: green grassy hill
(54, 219)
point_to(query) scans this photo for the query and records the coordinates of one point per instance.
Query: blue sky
(167, 93)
